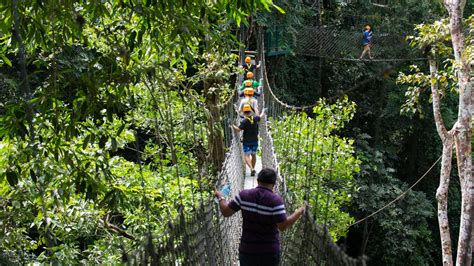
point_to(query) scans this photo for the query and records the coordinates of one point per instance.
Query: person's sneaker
(252, 173)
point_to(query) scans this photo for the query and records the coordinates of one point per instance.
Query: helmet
(246, 108)
(249, 75)
(248, 91)
(248, 59)
(248, 83)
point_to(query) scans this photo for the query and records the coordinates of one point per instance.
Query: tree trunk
(462, 130)
(442, 198)
(442, 191)
(216, 140)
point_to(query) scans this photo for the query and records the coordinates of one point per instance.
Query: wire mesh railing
(308, 242)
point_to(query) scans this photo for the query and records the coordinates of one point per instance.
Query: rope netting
(347, 45)
(200, 235)
(195, 232)
(206, 237)
(308, 242)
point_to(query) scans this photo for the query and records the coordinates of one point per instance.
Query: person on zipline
(248, 66)
(249, 125)
(367, 41)
(249, 99)
(263, 215)
(255, 84)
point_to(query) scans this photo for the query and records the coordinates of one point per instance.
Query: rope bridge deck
(205, 237)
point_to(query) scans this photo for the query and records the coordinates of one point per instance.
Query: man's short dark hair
(267, 176)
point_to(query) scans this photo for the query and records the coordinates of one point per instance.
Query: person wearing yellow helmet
(367, 41)
(249, 75)
(246, 108)
(249, 90)
(250, 81)
(249, 126)
(248, 66)
(248, 60)
(248, 99)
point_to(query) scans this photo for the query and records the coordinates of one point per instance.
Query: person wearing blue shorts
(249, 126)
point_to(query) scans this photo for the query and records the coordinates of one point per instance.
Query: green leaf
(86, 141)
(33, 175)
(238, 20)
(185, 65)
(131, 40)
(114, 144)
(12, 178)
(122, 127)
(279, 9)
(6, 60)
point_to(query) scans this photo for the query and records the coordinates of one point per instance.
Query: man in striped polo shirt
(263, 215)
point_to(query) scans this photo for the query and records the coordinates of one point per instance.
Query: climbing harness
(249, 118)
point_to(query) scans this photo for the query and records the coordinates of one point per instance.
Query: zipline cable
(399, 196)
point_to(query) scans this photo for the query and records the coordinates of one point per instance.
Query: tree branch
(115, 229)
(442, 132)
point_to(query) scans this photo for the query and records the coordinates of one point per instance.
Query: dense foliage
(104, 121)
(65, 196)
(319, 165)
(107, 109)
(395, 148)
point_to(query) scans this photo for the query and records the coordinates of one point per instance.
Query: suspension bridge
(340, 44)
(202, 236)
